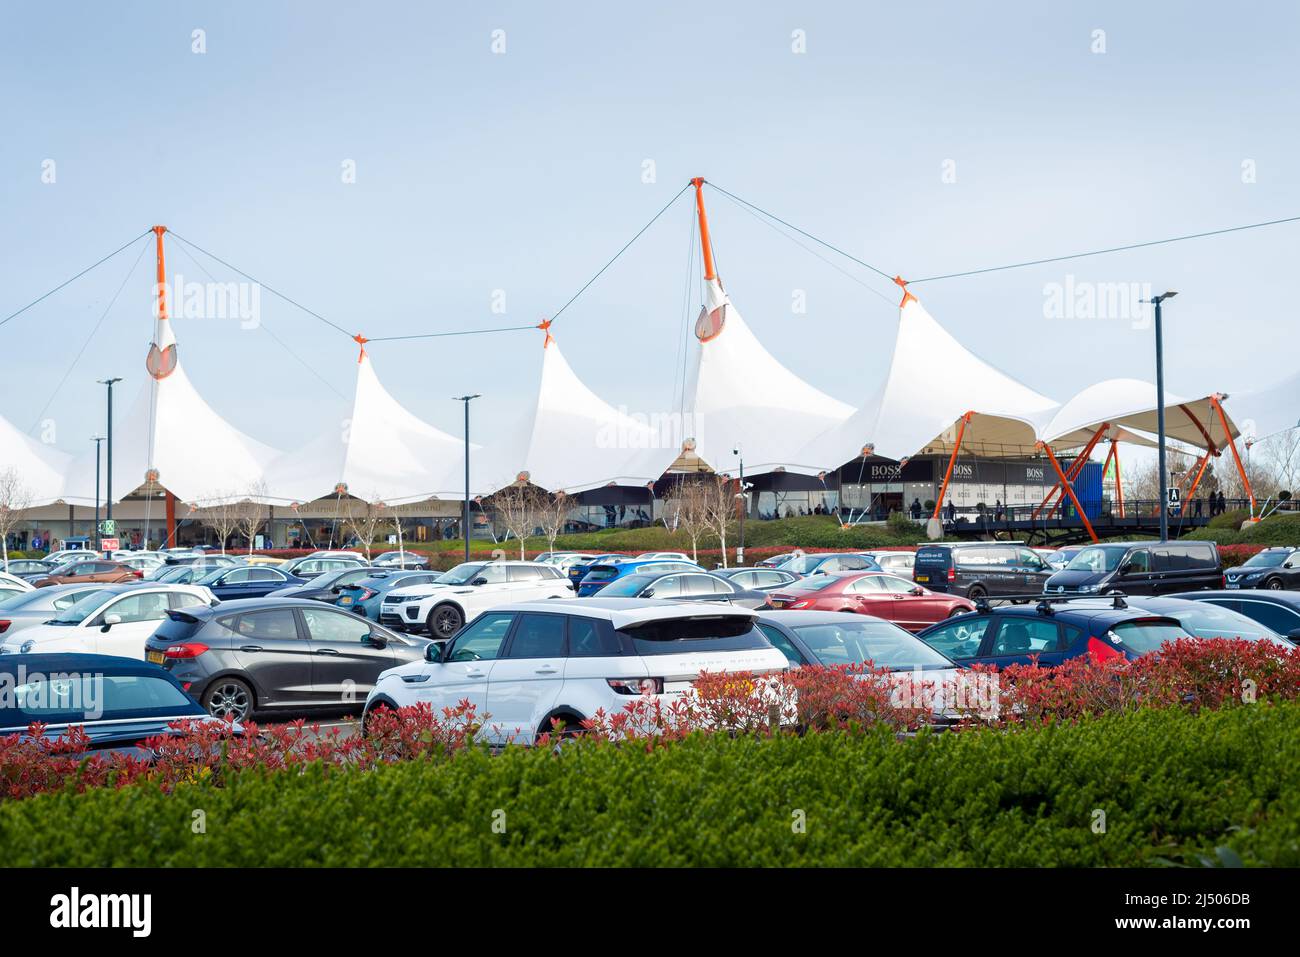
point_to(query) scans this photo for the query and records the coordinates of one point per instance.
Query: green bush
(1172, 786)
(1276, 530)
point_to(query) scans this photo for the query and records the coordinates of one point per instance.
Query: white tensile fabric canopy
(741, 397)
(1267, 411)
(381, 453)
(39, 470)
(169, 429)
(1132, 404)
(572, 440)
(932, 383)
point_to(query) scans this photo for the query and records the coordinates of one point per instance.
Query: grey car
(684, 586)
(34, 607)
(277, 655)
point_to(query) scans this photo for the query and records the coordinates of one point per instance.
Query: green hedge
(1217, 787)
(1275, 530)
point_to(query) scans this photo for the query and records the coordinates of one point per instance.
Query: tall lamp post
(744, 506)
(97, 440)
(108, 473)
(464, 521)
(1160, 415)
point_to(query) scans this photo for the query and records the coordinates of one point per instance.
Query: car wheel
(228, 698)
(1274, 584)
(445, 620)
(976, 593)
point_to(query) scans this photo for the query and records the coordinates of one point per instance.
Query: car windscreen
(461, 574)
(78, 612)
(76, 697)
(21, 600)
(815, 583)
(628, 587)
(602, 573)
(676, 636)
(1097, 559)
(880, 642)
(1266, 560)
(1147, 635)
(1205, 620)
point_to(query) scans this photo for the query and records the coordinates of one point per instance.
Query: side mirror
(110, 621)
(1294, 634)
(648, 593)
(918, 590)
(376, 640)
(433, 652)
(479, 581)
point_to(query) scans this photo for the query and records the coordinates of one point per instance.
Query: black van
(1140, 568)
(976, 569)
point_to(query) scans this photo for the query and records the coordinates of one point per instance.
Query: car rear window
(677, 636)
(602, 573)
(929, 557)
(73, 697)
(1145, 636)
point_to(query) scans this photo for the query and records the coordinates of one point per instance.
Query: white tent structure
(738, 395)
(936, 394)
(571, 440)
(1267, 411)
(379, 452)
(39, 471)
(1132, 404)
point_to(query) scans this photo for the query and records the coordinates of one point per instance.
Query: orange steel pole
(705, 243)
(1075, 467)
(1069, 489)
(162, 272)
(952, 461)
(1241, 469)
(1205, 460)
(1119, 481)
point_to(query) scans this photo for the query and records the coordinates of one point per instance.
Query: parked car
(179, 574)
(364, 597)
(565, 560)
(578, 570)
(11, 585)
(328, 585)
(1139, 568)
(94, 570)
(834, 638)
(202, 559)
(758, 577)
(826, 563)
(601, 574)
(1274, 568)
(776, 561)
(895, 562)
(1206, 620)
(29, 566)
(1278, 611)
(445, 604)
(130, 701)
(141, 563)
(337, 553)
(273, 655)
(64, 554)
(977, 569)
(246, 581)
(1061, 556)
(1051, 632)
(21, 611)
(870, 593)
(684, 586)
(528, 664)
(665, 556)
(410, 560)
(263, 560)
(310, 566)
(112, 621)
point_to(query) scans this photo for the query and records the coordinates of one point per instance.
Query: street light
(108, 477)
(97, 439)
(464, 521)
(744, 507)
(1160, 414)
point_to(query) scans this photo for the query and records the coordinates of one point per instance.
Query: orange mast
(705, 244)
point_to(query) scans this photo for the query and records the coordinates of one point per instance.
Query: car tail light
(366, 594)
(636, 686)
(188, 649)
(952, 574)
(137, 573)
(4, 625)
(1101, 651)
(801, 603)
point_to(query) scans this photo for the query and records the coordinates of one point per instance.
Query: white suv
(524, 664)
(112, 620)
(445, 604)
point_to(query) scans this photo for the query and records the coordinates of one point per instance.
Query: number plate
(156, 657)
(345, 600)
(923, 578)
(1233, 585)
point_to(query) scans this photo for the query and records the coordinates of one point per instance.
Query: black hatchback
(977, 569)
(277, 655)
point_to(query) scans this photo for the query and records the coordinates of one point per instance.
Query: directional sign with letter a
(1172, 499)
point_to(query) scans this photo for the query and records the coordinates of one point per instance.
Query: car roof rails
(1044, 603)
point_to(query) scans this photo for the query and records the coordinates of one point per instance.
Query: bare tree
(552, 511)
(517, 507)
(1279, 454)
(720, 508)
(220, 514)
(15, 499)
(250, 513)
(365, 520)
(686, 508)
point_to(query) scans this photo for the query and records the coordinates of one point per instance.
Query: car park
(114, 620)
(365, 597)
(601, 574)
(1278, 611)
(91, 570)
(684, 586)
(327, 585)
(454, 597)
(118, 703)
(276, 655)
(758, 577)
(246, 581)
(21, 611)
(530, 664)
(976, 569)
(825, 563)
(1139, 568)
(1051, 632)
(870, 593)
(1274, 568)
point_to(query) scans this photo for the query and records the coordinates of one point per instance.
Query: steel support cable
(66, 282)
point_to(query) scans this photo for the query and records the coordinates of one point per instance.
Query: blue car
(578, 570)
(364, 597)
(601, 574)
(247, 581)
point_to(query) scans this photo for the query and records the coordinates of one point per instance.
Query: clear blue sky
(522, 172)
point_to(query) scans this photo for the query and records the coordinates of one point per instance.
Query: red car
(870, 593)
